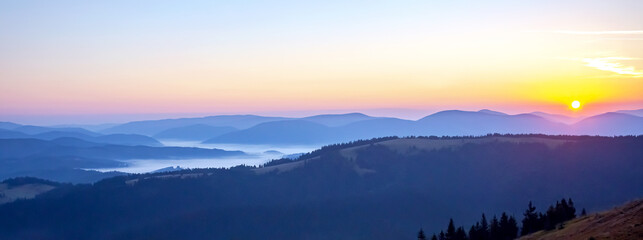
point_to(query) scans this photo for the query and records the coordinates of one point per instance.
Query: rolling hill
(371, 189)
(152, 127)
(295, 132)
(336, 120)
(119, 139)
(445, 123)
(609, 124)
(197, 132)
(61, 159)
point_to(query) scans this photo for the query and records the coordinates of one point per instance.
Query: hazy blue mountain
(557, 117)
(378, 127)
(32, 130)
(17, 148)
(335, 120)
(445, 123)
(9, 125)
(330, 128)
(464, 123)
(13, 148)
(75, 142)
(197, 132)
(60, 134)
(487, 111)
(45, 159)
(90, 127)
(26, 157)
(152, 127)
(127, 139)
(293, 132)
(12, 134)
(375, 189)
(638, 112)
(119, 139)
(609, 124)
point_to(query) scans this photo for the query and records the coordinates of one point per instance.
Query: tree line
(506, 228)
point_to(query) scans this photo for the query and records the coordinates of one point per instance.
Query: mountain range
(333, 128)
(63, 159)
(327, 129)
(50, 133)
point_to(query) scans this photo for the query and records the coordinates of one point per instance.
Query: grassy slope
(622, 223)
(26, 191)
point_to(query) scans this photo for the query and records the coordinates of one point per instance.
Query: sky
(102, 61)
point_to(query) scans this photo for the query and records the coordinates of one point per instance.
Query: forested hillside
(377, 189)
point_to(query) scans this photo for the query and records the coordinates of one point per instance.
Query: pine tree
(434, 237)
(442, 237)
(421, 235)
(530, 221)
(583, 213)
(550, 218)
(460, 234)
(503, 229)
(483, 232)
(494, 229)
(512, 228)
(473, 231)
(571, 212)
(450, 235)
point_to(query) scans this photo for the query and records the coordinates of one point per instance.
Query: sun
(575, 104)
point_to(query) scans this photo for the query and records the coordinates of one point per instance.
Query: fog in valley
(258, 154)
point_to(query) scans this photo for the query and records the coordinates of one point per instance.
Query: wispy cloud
(626, 32)
(601, 32)
(610, 64)
(623, 39)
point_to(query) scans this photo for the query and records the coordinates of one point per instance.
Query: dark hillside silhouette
(382, 189)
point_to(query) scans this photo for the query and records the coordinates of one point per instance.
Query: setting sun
(575, 104)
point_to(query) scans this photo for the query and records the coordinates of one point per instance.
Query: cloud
(610, 64)
(626, 32)
(623, 39)
(601, 32)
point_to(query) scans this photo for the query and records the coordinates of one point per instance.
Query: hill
(480, 123)
(637, 112)
(621, 223)
(61, 159)
(445, 123)
(33, 130)
(371, 189)
(609, 124)
(119, 139)
(197, 132)
(336, 120)
(152, 127)
(23, 188)
(295, 132)
(557, 117)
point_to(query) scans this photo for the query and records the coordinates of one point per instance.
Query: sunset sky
(145, 58)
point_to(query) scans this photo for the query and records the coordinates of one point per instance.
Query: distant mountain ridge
(332, 128)
(637, 112)
(152, 127)
(63, 158)
(445, 123)
(121, 139)
(196, 132)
